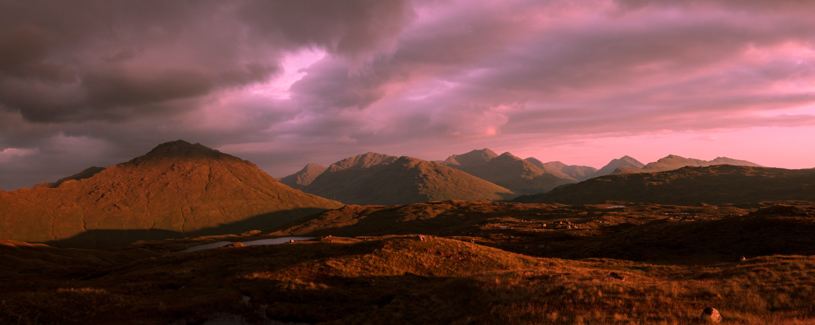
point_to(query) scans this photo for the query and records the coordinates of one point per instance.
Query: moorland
(111, 245)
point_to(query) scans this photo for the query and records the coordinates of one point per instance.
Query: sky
(284, 83)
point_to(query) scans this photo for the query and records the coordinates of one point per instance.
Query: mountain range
(375, 178)
(672, 162)
(437, 261)
(176, 190)
(716, 184)
(180, 189)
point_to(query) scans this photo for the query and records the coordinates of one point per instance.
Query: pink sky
(285, 83)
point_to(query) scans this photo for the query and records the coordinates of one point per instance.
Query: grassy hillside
(176, 190)
(388, 180)
(719, 184)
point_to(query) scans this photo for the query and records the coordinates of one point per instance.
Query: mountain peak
(366, 160)
(673, 157)
(303, 177)
(475, 157)
(181, 149)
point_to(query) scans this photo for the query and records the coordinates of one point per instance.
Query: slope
(305, 176)
(574, 171)
(614, 164)
(718, 184)
(375, 178)
(672, 162)
(509, 171)
(175, 190)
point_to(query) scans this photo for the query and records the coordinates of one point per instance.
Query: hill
(574, 171)
(87, 173)
(305, 176)
(672, 162)
(718, 184)
(509, 171)
(614, 164)
(374, 178)
(485, 263)
(178, 189)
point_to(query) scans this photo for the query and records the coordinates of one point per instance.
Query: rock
(233, 245)
(614, 275)
(711, 315)
(742, 259)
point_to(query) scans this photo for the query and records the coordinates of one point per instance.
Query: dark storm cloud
(107, 59)
(386, 75)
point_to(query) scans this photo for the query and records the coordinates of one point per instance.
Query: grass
(427, 279)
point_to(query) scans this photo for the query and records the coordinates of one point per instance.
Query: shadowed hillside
(574, 171)
(672, 162)
(614, 164)
(303, 177)
(177, 188)
(720, 184)
(506, 170)
(381, 179)
(498, 263)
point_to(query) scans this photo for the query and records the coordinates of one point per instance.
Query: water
(270, 241)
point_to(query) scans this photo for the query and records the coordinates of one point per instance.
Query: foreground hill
(637, 264)
(375, 178)
(509, 171)
(672, 162)
(177, 189)
(719, 184)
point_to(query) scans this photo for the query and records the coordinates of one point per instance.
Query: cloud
(393, 76)
(111, 60)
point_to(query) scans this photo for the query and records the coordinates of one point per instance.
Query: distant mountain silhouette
(177, 187)
(475, 157)
(550, 168)
(509, 171)
(672, 162)
(374, 178)
(717, 184)
(573, 171)
(305, 176)
(614, 164)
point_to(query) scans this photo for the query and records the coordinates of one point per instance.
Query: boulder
(711, 315)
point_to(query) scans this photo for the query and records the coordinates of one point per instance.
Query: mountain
(305, 176)
(176, 190)
(614, 164)
(87, 173)
(550, 168)
(509, 171)
(672, 162)
(475, 157)
(717, 184)
(374, 178)
(573, 171)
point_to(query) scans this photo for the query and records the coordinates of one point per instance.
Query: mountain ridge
(175, 189)
(715, 184)
(380, 179)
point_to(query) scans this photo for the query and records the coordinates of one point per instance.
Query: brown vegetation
(720, 184)
(380, 179)
(176, 190)
(477, 263)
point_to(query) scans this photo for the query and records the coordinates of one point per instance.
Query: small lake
(270, 241)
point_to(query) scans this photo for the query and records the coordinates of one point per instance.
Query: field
(600, 264)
